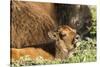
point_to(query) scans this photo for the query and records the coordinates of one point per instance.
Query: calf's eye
(61, 35)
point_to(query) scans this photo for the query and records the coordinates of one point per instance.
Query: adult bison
(31, 21)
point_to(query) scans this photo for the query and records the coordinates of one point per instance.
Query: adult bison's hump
(29, 24)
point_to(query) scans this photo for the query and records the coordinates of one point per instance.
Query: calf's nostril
(77, 37)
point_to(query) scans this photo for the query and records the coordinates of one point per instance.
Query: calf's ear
(53, 35)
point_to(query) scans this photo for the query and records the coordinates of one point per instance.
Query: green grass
(86, 52)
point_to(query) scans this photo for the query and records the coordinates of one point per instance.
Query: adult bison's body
(31, 21)
(29, 24)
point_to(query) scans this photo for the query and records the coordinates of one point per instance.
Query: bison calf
(60, 46)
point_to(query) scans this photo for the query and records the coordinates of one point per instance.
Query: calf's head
(65, 38)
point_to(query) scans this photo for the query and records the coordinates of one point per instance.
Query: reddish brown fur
(31, 52)
(60, 48)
